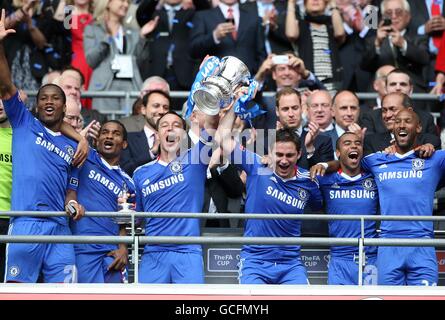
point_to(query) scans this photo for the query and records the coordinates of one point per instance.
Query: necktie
(435, 11)
(231, 17)
(171, 16)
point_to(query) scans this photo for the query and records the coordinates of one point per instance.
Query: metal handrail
(267, 216)
(134, 239)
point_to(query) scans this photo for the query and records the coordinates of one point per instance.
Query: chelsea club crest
(176, 167)
(369, 184)
(302, 194)
(70, 150)
(418, 164)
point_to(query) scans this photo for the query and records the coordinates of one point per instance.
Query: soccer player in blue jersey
(42, 162)
(284, 188)
(350, 191)
(406, 185)
(174, 182)
(97, 186)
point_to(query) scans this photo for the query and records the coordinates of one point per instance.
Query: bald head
(406, 128)
(379, 83)
(72, 112)
(320, 108)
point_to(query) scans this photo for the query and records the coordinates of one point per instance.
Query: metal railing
(136, 240)
(128, 95)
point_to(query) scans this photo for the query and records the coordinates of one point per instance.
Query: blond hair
(100, 10)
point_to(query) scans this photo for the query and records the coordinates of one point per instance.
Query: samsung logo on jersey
(162, 184)
(96, 176)
(351, 194)
(400, 175)
(52, 148)
(294, 202)
(6, 157)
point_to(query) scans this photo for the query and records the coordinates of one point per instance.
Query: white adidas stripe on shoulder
(145, 165)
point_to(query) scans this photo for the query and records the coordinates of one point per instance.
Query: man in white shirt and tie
(143, 146)
(230, 29)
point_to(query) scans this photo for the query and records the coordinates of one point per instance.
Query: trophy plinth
(217, 91)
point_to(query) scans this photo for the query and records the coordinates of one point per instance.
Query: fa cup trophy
(124, 207)
(217, 91)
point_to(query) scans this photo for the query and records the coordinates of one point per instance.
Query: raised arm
(7, 88)
(337, 23)
(82, 147)
(224, 133)
(292, 27)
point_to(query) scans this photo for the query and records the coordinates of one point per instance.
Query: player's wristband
(70, 207)
(324, 164)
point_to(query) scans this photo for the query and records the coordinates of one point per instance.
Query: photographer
(286, 71)
(396, 45)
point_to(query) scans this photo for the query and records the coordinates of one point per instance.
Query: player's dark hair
(147, 96)
(184, 124)
(124, 131)
(285, 92)
(337, 144)
(51, 85)
(286, 135)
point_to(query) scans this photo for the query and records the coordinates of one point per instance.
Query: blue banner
(206, 70)
(240, 107)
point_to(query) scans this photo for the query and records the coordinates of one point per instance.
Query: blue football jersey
(98, 186)
(177, 186)
(357, 195)
(269, 193)
(406, 187)
(41, 162)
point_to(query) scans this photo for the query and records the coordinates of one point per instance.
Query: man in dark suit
(428, 19)
(273, 16)
(143, 146)
(352, 50)
(168, 49)
(397, 81)
(230, 29)
(397, 45)
(392, 104)
(136, 122)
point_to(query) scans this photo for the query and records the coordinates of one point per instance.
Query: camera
(387, 21)
(281, 59)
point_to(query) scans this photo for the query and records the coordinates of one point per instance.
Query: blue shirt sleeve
(18, 114)
(139, 202)
(315, 198)
(366, 163)
(73, 183)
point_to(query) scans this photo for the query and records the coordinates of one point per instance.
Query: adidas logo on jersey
(146, 182)
(273, 179)
(335, 186)
(383, 166)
